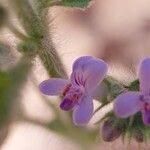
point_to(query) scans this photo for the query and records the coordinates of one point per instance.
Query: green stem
(101, 120)
(51, 59)
(37, 28)
(129, 128)
(131, 121)
(48, 54)
(139, 146)
(14, 30)
(30, 21)
(100, 107)
(22, 117)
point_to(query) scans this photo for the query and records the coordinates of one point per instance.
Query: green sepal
(134, 86)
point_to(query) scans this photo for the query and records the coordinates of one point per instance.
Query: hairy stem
(51, 59)
(48, 54)
(37, 28)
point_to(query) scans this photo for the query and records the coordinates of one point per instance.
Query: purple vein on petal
(88, 71)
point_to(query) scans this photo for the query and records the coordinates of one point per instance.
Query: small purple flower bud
(138, 136)
(110, 132)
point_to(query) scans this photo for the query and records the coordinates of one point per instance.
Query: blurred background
(116, 31)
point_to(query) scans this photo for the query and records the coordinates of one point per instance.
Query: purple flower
(129, 103)
(87, 73)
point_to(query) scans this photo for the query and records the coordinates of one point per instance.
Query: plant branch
(37, 28)
(100, 107)
(14, 30)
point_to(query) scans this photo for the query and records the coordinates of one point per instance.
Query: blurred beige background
(116, 30)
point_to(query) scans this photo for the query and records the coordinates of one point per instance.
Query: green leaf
(75, 3)
(69, 3)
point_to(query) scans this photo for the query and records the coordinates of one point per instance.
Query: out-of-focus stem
(31, 120)
(28, 17)
(14, 30)
(45, 100)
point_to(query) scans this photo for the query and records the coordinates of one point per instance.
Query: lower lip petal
(67, 104)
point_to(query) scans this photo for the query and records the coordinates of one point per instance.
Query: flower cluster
(78, 91)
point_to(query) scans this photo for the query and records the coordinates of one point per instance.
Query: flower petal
(146, 117)
(67, 104)
(77, 69)
(89, 72)
(84, 111)
(53, 86)
(127, 104)
(144, 75)
(81, 61)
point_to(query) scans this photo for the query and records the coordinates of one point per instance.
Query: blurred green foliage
(10, 86)
(28, 47)
(79, 134)
(3, 16)
(30, 21)
(7, 57)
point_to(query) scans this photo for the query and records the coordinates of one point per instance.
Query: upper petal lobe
(89, 72)
(144, 75)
